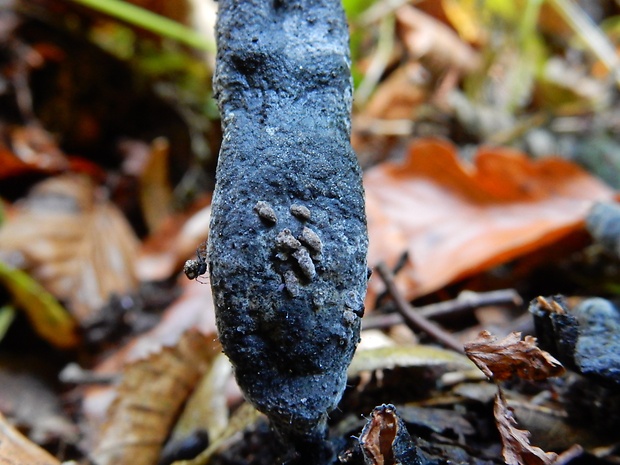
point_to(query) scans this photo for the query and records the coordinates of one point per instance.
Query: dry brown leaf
(155, 189)
(15, 449)
(378, 436)
(397, 97)
(502, 360)
(455, 219)
(385, 439)
(149, 400)
(242, 418)
(207, 407)
(517, 449)
(389, 112)
(434, 43)
(192, 310)
(75, 243)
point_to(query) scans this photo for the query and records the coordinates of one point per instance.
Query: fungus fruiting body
(288, 241)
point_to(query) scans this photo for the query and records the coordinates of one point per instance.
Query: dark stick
(465, 302)
(414, 319)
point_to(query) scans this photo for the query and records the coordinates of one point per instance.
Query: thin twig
(74, 374)
(464, 303)
(413, 319)
(468, 300)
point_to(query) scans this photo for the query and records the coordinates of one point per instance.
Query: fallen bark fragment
(584, 338)
(288, 242)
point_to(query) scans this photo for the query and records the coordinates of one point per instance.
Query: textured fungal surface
(288, 242)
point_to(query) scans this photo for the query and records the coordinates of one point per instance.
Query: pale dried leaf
(517, 449)
(75, 243)
(431, 41)
(407, 356)
(502, 360)
(149, 400)
(15, 449)
(192, 310)
(155, 189)
(244, 417)
(207, 407)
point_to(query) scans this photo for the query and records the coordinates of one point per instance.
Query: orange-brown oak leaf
(455, 218)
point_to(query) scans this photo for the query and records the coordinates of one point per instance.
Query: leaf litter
(454, 217)
(15, 448)
(149, 399)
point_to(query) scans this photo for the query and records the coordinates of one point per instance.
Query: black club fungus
(288, 242)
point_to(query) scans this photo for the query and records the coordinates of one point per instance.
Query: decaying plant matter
(287, 248)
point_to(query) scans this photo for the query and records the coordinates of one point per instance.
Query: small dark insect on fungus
(193, 269)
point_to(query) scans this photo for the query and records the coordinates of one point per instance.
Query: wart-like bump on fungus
(301, 212)
(265, 212)
(283, 294)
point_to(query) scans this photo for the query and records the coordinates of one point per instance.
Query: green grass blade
(150, 21)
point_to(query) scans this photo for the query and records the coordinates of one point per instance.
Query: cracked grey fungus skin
(288, 241)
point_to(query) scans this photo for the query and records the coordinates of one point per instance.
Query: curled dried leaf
(431, 41)
(16, 449)
(502, 360)
(385, 439)
(378, 435)
(517, 449)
